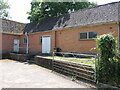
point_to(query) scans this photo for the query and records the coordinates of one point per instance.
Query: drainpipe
(26, 33)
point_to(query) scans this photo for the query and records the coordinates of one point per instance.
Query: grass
(85, 61)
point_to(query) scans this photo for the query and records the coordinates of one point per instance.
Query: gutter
(113, 22)
(17, 34)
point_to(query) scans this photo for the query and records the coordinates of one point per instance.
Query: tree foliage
(3, 9)
(41, 10)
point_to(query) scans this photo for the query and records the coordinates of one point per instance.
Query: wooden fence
(75, 69)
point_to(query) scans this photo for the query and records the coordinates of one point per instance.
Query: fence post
(97, 57)
(95, 70)
(52, 61)
(117, 72)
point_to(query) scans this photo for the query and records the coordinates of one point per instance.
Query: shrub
(107, 66)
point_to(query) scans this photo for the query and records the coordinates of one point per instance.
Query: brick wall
(7, 42)
(35, 46)
(68, 40)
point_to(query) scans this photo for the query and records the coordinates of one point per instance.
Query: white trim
(26, 34)
(46, 35)
(87, 35)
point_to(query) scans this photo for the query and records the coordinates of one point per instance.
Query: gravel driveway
(14, 74)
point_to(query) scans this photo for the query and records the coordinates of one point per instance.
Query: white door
(16, 45)
(46, 44)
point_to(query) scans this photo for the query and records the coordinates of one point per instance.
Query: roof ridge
(96, 6)
(13, 21)
(75, 11)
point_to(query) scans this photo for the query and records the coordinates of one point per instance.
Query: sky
(19, 8)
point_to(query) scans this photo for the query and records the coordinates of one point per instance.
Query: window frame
(82, 33)
(24, 41)
(87, 36)
(92, 37)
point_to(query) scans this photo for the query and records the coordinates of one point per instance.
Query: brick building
(72, 32)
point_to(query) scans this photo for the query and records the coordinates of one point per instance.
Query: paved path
(20, 75)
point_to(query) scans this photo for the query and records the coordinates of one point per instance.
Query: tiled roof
(90, 16)
(9, 26)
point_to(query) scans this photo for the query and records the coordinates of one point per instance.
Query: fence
(75, 64)
(68, 64)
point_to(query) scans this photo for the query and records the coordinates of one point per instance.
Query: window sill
(85, 39)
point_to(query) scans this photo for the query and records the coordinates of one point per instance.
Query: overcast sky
(19, 8)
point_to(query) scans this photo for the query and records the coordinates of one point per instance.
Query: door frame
(50, 41)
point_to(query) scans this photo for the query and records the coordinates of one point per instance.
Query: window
(41, 40)
(83, 35)
(92, 35)
(88, 35)
(25, 40)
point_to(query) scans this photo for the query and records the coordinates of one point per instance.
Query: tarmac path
(14, 74)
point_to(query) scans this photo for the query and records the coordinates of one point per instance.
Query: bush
(107, 66)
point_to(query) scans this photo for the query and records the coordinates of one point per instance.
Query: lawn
(85, 61)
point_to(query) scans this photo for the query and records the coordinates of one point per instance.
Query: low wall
(19, 57)
(43, 62)
(5, 56)
(75, 69)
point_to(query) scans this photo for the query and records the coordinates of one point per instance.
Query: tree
(3, 9)
(42, 10)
